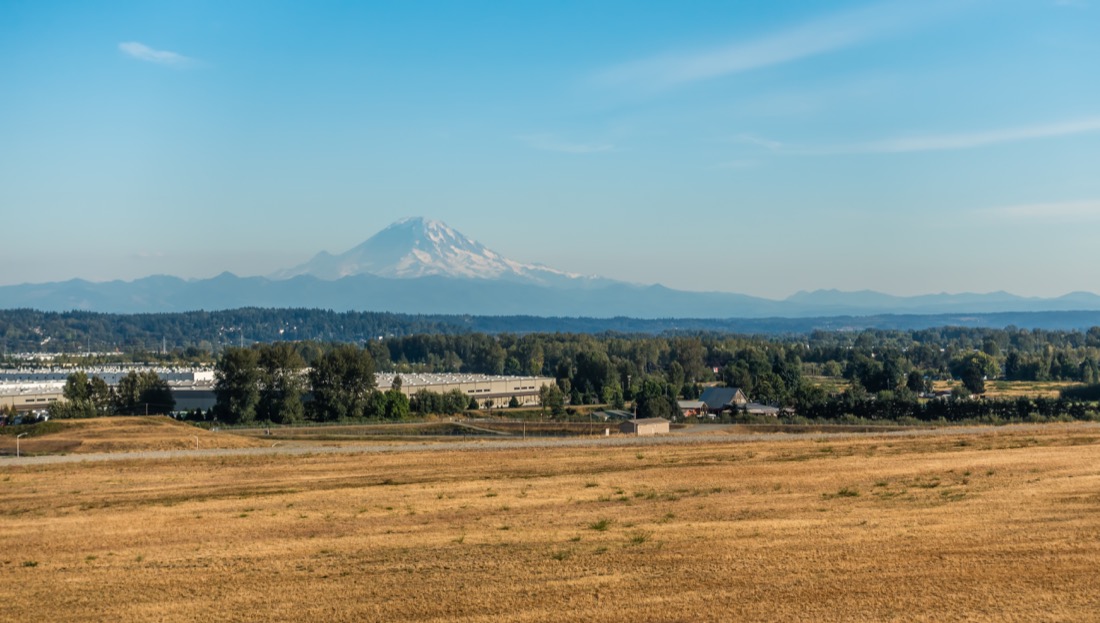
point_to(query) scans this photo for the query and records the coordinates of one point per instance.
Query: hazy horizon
(904, 148)
(269, 275)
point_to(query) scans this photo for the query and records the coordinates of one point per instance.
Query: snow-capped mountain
(418, 247)
(419, 266)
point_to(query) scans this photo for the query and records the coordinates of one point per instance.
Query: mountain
(864, 302)
(420, 266)
(868, 301)
(422, 295)
(417, 247)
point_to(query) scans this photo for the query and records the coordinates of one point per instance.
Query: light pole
(17, 438)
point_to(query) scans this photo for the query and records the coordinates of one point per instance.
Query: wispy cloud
(970, 140)
(766, 143)
(143, 52)
(550, 142)
(822, 36)
(1058, 212)
(935, 142)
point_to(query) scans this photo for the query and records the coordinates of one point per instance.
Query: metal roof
(719, 396)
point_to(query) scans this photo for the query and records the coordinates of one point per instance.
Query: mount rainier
(421, 266)
(417, 247)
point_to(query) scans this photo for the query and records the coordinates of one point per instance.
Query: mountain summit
(418, 247)
(420, 266)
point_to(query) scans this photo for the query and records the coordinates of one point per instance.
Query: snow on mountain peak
(419, 247)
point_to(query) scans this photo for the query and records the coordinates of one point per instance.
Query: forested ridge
(28, 330)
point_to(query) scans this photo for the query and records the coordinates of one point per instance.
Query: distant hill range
(24, 330)
(420, 266)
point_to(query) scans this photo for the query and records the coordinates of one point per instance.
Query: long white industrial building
(193, 388)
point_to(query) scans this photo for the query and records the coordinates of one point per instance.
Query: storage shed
(646, 426)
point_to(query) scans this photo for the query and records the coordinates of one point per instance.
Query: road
(703, 434)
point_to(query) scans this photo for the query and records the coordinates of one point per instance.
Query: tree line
(269, 381)
(137, 393)
(850, 407)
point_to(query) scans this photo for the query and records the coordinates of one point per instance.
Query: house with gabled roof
(719, 399)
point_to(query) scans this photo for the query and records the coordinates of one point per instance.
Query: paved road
(696, 435)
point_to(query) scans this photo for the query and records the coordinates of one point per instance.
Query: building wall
(110, 374)
(644, 428)
(31, 401)
(499, 389)
(188, 399)
(199, 393)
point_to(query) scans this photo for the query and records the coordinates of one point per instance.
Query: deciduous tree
(342, 381)
(237, 385)
(282, 384)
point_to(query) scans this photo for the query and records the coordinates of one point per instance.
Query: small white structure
(645, 426)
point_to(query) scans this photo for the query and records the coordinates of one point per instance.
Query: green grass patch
(601, 525)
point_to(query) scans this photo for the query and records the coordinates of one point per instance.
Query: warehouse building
(499, 390)
(32, 389)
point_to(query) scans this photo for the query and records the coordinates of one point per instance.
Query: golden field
(1007, 390)
(1001, 524)
(119, 434)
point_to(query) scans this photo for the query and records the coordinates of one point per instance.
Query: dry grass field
(1014, 389)
(437, 429)
(1031, 389)
(120, 434)
(1000, 525)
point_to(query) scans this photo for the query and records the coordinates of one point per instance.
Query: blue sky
(757, 147)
